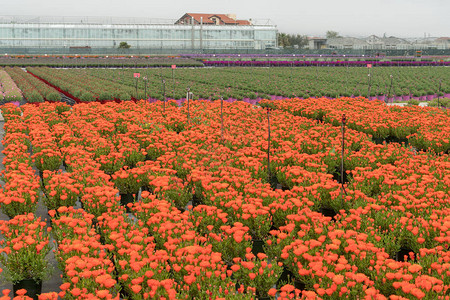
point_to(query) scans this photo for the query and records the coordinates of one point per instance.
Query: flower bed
(240, 236)
(423, 128)
(34, 90)
(337, 63)
(9, 92)
(251, 83)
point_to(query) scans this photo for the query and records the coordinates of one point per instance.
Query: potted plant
(46, 159)
(257, 273)
(60, 189)
(17, 200)
(23, 252)
(128, 183)
(232, 243)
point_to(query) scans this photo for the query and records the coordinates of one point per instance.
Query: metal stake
(173, 85)
(164, 93)
(268, 144)
(221, 118)
(343, 121)
(188, 94)
(145, 86)
(439, 91)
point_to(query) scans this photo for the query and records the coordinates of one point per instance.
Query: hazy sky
(403, 18)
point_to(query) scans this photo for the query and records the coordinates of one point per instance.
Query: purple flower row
(337, 63)
(273, 55)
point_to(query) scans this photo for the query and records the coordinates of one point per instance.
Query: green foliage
(267, 105)
(124, 45)
(105, 95)
(413, 102)
(34, 97)
(87, 97)
(54, 96)
(332, 34)
(443, 102)
(292, 40)
(124, 96)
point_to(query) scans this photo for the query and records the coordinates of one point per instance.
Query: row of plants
(82, 87)
(9, 92)
(25, 240)
(267, 83)
(215, 249)
(423, 128)
(320, 63)
(77, 61)
(33, 89)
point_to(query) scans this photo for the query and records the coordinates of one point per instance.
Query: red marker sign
(174, 66)
(137, 75)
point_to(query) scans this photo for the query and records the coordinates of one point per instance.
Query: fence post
(164, 94)
(268, 144)
(188, 94)
(221, 118)
(439, 92)
(343, 121)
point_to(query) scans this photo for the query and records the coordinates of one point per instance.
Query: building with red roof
(210, 19)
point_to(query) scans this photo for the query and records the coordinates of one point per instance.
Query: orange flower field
(173, 206)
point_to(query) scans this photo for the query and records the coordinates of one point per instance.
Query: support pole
(188, 94)
(173, 85)
(164, 94)
(221, 119)
(439, 92)
(343, 121)
(268, 144)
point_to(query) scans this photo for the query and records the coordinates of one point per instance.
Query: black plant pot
(125, 199)
(400, 256)
(196, 201)
(257, 246)
(34, 288)
(181, 209)
(328, 212)
(288, 277)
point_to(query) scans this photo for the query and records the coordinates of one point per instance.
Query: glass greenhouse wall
(138, 36)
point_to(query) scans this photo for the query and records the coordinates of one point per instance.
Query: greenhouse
(91, 34)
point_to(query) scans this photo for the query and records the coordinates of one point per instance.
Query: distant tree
(332, 34)
(124, 45)
(283, 40)
(298, 40)
(289, 40)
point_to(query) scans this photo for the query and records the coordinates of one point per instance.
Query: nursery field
(219, 200)
(101, 84)
(78, 61)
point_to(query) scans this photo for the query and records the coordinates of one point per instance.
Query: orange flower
(414, 268)
(75, 292)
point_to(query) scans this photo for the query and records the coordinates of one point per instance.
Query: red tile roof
(207, 19)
